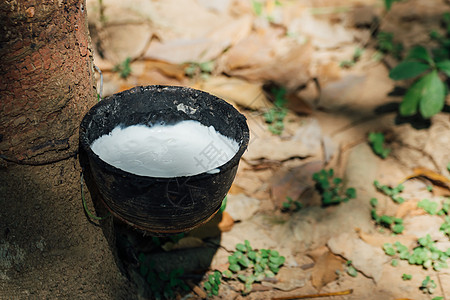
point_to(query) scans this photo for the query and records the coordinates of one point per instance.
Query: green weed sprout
(162, 285)
(249, 265)
(123, 68)
(390, 222)
(275, 116)
(376, 140)
(386, 44)
(203, 69)
(331, 188)
(430, 70)
(426, 254)
(391, 192)
(355, 58)
(406, 276)
(428, 286)
(351, 269)
(291, 205)
(445, 227)
(428, 206)
(213, 283)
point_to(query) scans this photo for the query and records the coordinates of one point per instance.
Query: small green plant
(392, 223)
(445, 209)
(162, 285)
(428, 206)
(291, 205)
(376, 140)
(391, 192)
(386, 44)
(394, 262)
(428, 286)
(406, 276)
(213, 283)
(331, 188)
(257, 7)
(431, 70)
(445, 227)
(373, 202)
(124, 68)
(351, 269)
(426, 254)
(275, 116)
(248, 265)
(355, 58)
(388, 4)
(203, 69)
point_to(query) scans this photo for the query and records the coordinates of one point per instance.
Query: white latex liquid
(186, 148)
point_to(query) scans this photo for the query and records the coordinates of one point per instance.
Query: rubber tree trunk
(48, 248)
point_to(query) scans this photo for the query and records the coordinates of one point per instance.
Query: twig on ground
(341, 293)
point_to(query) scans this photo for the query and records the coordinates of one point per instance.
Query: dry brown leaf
(431, 175)
(223, 34)
(227, 222)
(324, 270)
(408, 208)
(378, 240)
(269, 56)
(441, 191)
(237, 91)
(168, 69)
(317, 252)
(236, 189)
(293, 182)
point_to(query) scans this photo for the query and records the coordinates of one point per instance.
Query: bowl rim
(158, 88)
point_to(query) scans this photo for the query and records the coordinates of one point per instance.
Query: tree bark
(48, 248)
(47, 78)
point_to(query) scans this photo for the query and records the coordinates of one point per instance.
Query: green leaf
(143, 269)
(227, 274)
(234, 268)
(408, 69)
(412, 98)
(352, 271)
(274, 253)
(433, 95)
(406, 276)
(244, 261)
(389, 249)
(374, 202)
(232, 260)
(444, 66)
(420, 53)
(351, 193)
(398, 228)
(247, 288)
(247, 245)
(242, 277)
(207, 286)
(394, 262)
(388, 4)
(386, 220)
(252, 255)
(269, 274)
(257, 7)
(278, 261)
(241, 247)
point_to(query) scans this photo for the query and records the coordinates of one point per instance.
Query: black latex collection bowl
(162, 205)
